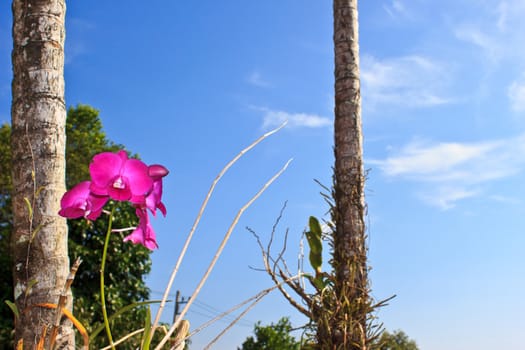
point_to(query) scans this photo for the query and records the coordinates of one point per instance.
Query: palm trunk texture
(348, 324)
(38, 116)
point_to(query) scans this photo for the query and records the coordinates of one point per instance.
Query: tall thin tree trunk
(38, 115)
(349, 323)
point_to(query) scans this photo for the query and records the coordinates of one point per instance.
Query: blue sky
(189, 84)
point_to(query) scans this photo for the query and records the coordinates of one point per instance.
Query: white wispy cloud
(480, 37)
(503, 15)
(446, 197)
(496, 28)
(255, 78)
(273, 118)
(516, 94)
(433, 161)
(397, 9)
(505, 199)
(408, 81)
(452, 171)
(496, 31)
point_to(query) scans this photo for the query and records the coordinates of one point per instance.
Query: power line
(224, 319)
(206, 310)
(216, 311)
(162, 293)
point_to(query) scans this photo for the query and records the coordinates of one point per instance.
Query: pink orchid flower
(121, 178)
(154, 200)
(114, 175)
(144, 233)
(80, 202)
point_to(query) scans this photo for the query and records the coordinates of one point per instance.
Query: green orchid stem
(102, 268)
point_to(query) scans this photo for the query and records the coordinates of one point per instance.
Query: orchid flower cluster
(115, 176)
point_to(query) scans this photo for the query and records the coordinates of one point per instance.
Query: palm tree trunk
(349, 323)
(38, 115)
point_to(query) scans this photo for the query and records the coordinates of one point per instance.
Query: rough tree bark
(38, 116)
(349, 322)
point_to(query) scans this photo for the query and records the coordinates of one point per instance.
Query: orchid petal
(144, 233)
(104, 169)
(97, 203)
(136, 174)
(153, 200)
(120, 193)
(162, 208)
(74, 202)
(157, 171)
(79, 202)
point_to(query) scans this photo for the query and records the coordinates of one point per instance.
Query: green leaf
(35, 231)
(29, 208)
(39, 190)
(315, 243)
(30, 285)
(13, 308)
(100, 328)
(320, 281)
(315, 227)
(315, 257)
(147, 330)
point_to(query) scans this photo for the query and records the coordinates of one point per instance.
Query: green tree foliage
(272, 337)
(126, 264)
(397, 340)
(6, 219)
(277, 336)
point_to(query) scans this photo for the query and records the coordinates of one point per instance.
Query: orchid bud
(157, 171)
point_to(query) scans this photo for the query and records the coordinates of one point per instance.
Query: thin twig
(32, 209)
(383, 302)
(300, 261)
(281, 254)
(227, 312)
(62, 301)
(275, 224)
(273, 275)
(119, 230)
(129, 335)
(198, 219)
(296, 287)
(124, 338)
(219, 251)
(255, 300)
(241, 315)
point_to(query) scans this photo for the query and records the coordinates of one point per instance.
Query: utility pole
(178, 302)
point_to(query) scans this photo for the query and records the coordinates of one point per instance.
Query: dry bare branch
(219, 251)
(255, 300)
(271, 265)
(62, 301)
(197, 221)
